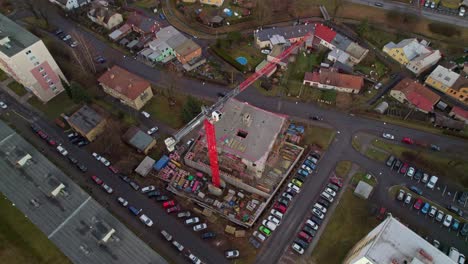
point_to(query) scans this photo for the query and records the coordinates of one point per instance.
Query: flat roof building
(87, 122)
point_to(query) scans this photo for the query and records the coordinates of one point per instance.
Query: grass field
(376, 154)
(21, 242)
(342, 168)
(350, 222)
(52, 109)
(361, 176)
(3, 76)
(17, 88)
(320, 136)
(438, 163)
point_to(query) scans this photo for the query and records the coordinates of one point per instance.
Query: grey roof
(14, 38)
(166, 33)
(72, 220)
(137, 138)
(176, 40)
(85, 119)
(363, 189)
(341, 42)
(286, 32)
(262, 128)
(145, 166)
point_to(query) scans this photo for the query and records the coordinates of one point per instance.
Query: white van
(432, 182)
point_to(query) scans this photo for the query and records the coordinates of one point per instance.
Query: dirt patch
(344, 101)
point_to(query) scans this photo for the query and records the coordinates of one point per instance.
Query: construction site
(257, 150)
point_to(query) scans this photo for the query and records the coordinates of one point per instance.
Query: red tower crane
(210, 115)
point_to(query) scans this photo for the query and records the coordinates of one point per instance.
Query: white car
(318, 213)
(432, 182)
(433, 211)
(105, 162)
(259, 236)
(200, 227)
(294, 188)
(312, 224)
(388, 136)
(330, 191)
(265, 51)
(62, 150)
(107, 188)
(194, 259)
(433, 5)
(287, 196)
(122, 201)
(320, 207)
(273, 219)
(166, 235)
(410, 172)
(67, 37)
(440, 216)
(148, 188)
(297, 248)
(152, 130)
(192, 221)
(96, 156)
(408, 198)
(270, 225)
(305, 167)
(327, 197)
(232, 254)
(146, 220)
(145, 114)
(448, 220)
(378, 86)
(3, 105)
(276, 214)
(462, 11)
(178, 245)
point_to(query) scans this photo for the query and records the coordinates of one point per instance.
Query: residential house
(87, 122)
(105, 17)
(275, 52)
(417, 95)
(268, 37)
(331, 79)
(158, 51)
(70, 4)
(129, 88)
(212, 2)
(142, 24)
(120, 32)
(325, 36)
(414, 54)
(188, 51)
(459, 114)
(449, 82)
(26, 59)
(138, 139)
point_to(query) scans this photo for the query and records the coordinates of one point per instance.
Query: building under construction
(255, 156)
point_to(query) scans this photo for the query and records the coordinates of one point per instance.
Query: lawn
(350, 222)
(294, 75)
(251, 53)
(146, 3)
(438, 163)
(362, 176)
(320, 136)
(52, 109)
(342, 168)
(376, 154)
(21, 241)
(17, 88)
(3, 76)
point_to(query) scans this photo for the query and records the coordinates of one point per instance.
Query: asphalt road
(425, 12)
(181, 233)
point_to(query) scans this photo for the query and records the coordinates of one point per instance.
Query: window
(41, 69)
(44, 74)
(28, 52)
(32, 58)
(242, 133)
(36, 63)
(50, 83)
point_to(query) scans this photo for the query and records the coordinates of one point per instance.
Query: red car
(305, 237)
(173, 209)
(404, 168)
(42, 134)
(407, 140)
(281, 208)
(337, 181)
(418, 204)
(52, 142)
(113, 169)
(382, 213)
(168, 204)
(96, 180)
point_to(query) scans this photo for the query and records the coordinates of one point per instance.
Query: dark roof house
(139, 139)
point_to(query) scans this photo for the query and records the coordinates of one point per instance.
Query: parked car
(82, 167)
(124, 178)
(433, 211)
(145, 114)
(302, 243)
(455, 209)
(382, 213)
(425, 178)
(265, 231)
(200, 227)
(107, 188)
(318, 213)
(311, 224)
(408, 198)
(276, 214)
(448, 220)
(417, 205)
(324, 202)
(317, 220)
(105, 162)
(178, 245)
(401, 195)
(209, 235)
(96, 180)
(407, 140)
(287, 196)
(280, 207)
(388, 136)
(330, 191)
(231, 254)
(297, 248)
(113, 169)
(192, 221)
(134, 185)
(390, 161)
(440, 216)
(147, 189)
(410, 172)
(162, 198)
(270, 225)
(134, 210)
(337, 181)
(418, 175)
(62, 150)
(100, 59)
(122, 201)
(416, 190)
(435, 147)
(146, 220)
(72, 159)
(294, 188)
(397, 165)
(153, 194)
(432, 182)
(462, 198)
(309, 231)
(274, 220)
(327, 197)
(168, 204)
(194, 259)
(425, 208)
(96, 156)
(304, 236)
(296, 182)
(455, 224)
(173, 209)
(404, 168)
(320, 207)
(464, 229)
(184, 214)
(334, 187)
(152, 130)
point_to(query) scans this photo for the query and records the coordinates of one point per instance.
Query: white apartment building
(26, 59)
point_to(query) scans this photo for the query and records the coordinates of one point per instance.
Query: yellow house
(87, 122)
(449, 82)
(129, 88)
(212, 2)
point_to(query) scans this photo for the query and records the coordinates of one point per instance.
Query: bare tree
(39, 8)
(263, 12)
(85, 50)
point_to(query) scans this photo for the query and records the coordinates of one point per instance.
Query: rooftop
(331, 77)
(144, 23)
(14, 38)
(124, 82)
(287, 32)
(460, 112)
(166, 33)
(187, 47)
(444, 76)
(411, 47)
(247, 131)
(325, 33)
(145, 166)
(85, 119)
(417, 94)
(138, 138)
(397, 242)
(341, 42)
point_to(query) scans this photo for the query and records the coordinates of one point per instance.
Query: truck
(161, 163)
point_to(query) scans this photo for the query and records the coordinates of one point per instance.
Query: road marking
(443, 192)
(7, 137)
(454, 195)
(69, 217)
(20, 115)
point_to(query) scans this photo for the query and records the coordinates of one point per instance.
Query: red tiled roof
(325, 33)
(335, 79)
(124, 82)
(417, 94)
(460, 112)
